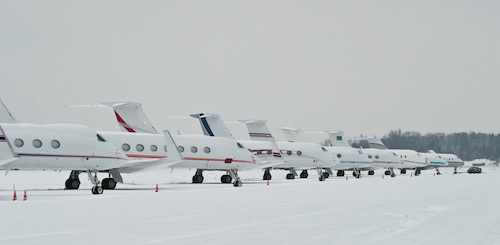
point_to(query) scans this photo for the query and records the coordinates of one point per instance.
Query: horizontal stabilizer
(257, 129)
(295, 134)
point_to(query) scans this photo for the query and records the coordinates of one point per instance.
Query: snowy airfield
(445, 209)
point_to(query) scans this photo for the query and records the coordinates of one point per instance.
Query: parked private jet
(382, 159)
(350, 158)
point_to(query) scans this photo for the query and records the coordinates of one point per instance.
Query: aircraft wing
(7, 161)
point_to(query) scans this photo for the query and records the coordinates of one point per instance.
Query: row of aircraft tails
(140, 147)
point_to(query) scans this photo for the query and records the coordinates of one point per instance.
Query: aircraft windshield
(100, 138)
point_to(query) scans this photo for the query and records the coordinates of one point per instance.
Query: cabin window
(153, 148)
(370, 156)
(180, 148)
(37, 143)
(289, 153)
(139, 147)
(55, 144)
(165, 148)
(19, 142)
(259, 152)
(339, 156)
(376, 156)
(194, 149)
(126, 147)
(206, 150)
(100, 138)
(269, 152)
(299, 153)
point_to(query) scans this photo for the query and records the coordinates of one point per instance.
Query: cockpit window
(240, 145)
(323, 148)
(100, 138)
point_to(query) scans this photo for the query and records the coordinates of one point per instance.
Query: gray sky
(359, 66)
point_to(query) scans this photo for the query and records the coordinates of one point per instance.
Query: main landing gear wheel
(226, 179)
(371, 172)
(108, 184)
(326, 175)
(96, 190)
(267, 175)
(290, 176)
(237, 183)
(403, 171)
(340, 173)
(322, 177)
(72, 184)
(304, 174)
(198, 177)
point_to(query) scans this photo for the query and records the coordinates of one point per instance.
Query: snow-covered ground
(445, 209)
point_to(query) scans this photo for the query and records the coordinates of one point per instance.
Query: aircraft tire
(237, 183)
(72, 184)
(321, 178)
(96, 190)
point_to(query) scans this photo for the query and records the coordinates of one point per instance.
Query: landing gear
(304, 174)
(96, 189)
(237, 183)
(226, 179)
(322, 175)
(437, 171)
(403, 171)
(109, 184)
(371, 172)
(455, 171)
(327, 175)
(290, 176)
(417, 172)
(356, 173)
(234, 175)
(73, 182)
(267, 174)
(198, 176)
(390, 172)
(340, 173)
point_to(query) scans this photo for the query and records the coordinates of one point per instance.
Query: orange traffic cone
(346, 177)
(267, 182)
(15, 196)
(156, 190)
(25, 196)
(382, 176)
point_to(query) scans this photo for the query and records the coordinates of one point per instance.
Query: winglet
(173, 151)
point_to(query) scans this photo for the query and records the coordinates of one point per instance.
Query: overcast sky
(364, 67)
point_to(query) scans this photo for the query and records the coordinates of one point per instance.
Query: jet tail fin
(212, 125)
(338, 139)
(295, 134)
(5, 115)
(131, 118)
(257, 129)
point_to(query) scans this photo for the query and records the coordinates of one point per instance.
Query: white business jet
(382, 159)
(66, 147)
(412, 159)
(350, 158)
